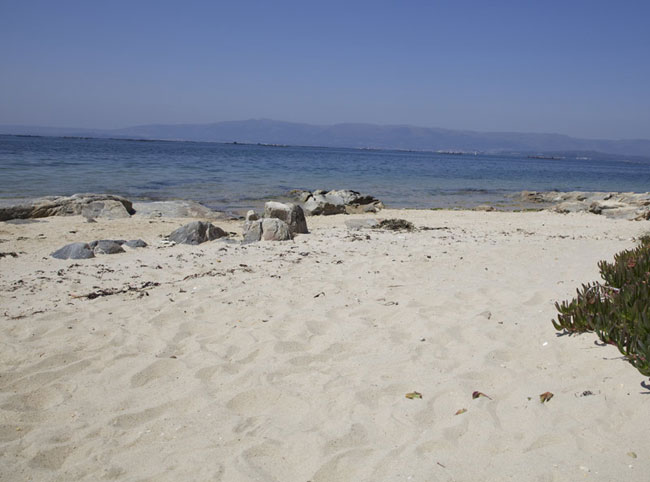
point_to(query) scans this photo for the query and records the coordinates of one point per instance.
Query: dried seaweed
(115, 291)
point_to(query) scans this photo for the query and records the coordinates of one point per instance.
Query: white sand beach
(290, 361)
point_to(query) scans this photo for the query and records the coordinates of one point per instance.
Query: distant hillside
(356, 135)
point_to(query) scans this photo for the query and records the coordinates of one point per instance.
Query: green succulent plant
(618, 310)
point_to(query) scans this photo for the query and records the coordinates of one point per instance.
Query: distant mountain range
(356, 136)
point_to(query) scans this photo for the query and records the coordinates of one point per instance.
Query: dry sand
(290, 361)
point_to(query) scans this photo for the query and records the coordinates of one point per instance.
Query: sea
(236, 177)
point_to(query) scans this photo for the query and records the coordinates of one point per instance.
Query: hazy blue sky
(575, 67)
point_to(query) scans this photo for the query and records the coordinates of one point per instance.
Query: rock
(74, 251)
(252, 216)
(314, 207)
(361, 208)
(532, 197)
(484, 207)
(357, 224)
(61, 206)
(322, 202)
(176, 209)
(196, 232)
(612, 205)
(595, 208)
(642, 215)
(136, 243)
(252, 231)
(107, 246)
(267, 229)
(292, 214)
(108, 209)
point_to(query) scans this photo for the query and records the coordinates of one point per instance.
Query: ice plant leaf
(545, 397)
(477, 394)
(462, 410)
(413, 395)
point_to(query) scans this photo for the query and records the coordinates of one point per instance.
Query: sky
(573, 67)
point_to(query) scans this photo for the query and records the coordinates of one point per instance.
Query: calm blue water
(237, 177)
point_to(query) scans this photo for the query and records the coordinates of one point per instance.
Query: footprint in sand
(164, 368)
(51, 459)
(42, 398)
(345, 466)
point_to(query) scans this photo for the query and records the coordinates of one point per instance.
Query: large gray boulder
(292, 214)
(267, 229)
(196, 232)
(74, 251)
(68, 206)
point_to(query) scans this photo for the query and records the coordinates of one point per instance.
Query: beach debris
(413, 395)
(396, 225)
(430, 228)
(267, 229)
(322, 293)
(478, 394)
(632, 454)
(114, 291)
(290, 213)
(196, 232)
(461, 411)
(486, 314)
(4, 254)
(74, 251)
(545, 397)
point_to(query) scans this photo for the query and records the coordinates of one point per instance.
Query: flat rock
(67, 206)
(136, 243)
(357, 224)
(343, 201)
(74, 251)
(176, 209)
(196, 232)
